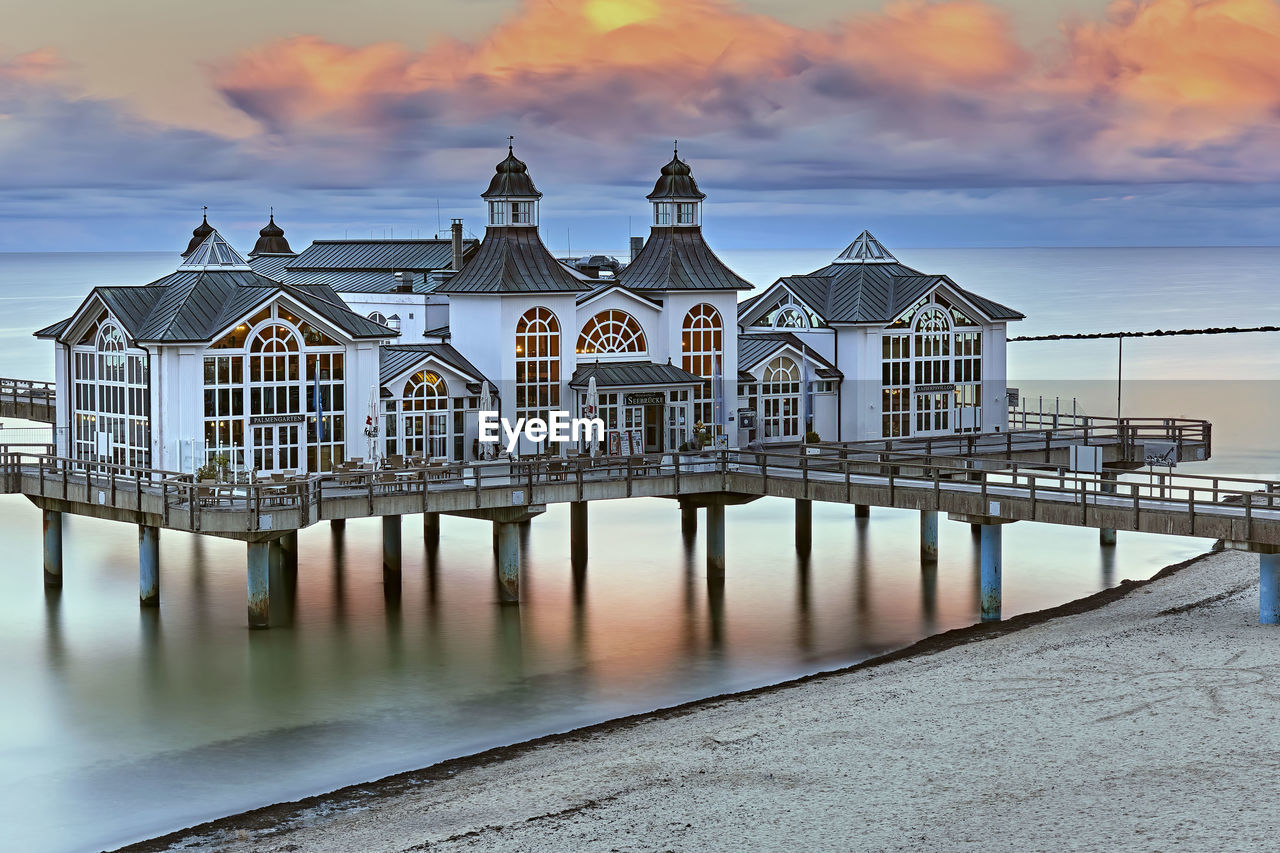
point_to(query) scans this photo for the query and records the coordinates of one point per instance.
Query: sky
(931, 122)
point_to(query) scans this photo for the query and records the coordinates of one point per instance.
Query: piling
(804, 525)
(508, 562)
(861, 511)
(431, 529)
(688, 520)
(929, 535)
(260, 584)
(148, 566)
(391, 555)
(338, 523)
(578, 532)
(989, 590)
(52, 548)
(715, 540)
(1107, 535)
(1269, 589)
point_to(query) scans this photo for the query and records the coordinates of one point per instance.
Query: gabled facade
(918, 354)
(215, 362)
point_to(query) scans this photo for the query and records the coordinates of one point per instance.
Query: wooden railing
(25, 398)
(181, 502)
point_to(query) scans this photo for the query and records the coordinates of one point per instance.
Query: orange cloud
(1159, 89)
(35, 66)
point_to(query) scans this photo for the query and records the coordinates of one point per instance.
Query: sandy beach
(1142, 718)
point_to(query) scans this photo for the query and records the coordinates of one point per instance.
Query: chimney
(455, 231)
(637, 243)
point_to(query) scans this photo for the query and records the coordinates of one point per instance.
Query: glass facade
(111, 405)
(702, 347)
(780, 392)
(537, 382)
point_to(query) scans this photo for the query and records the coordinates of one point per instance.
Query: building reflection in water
(396, 682)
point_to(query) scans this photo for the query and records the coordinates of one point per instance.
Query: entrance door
(677, 425)
(933, 413)
(276, 448)
(653, 428)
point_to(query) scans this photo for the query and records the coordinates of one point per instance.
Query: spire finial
(511, 144)
(676, 145)
(205, 212)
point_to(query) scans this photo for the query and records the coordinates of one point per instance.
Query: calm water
(121, 724)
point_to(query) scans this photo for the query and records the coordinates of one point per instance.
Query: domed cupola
(512, 197)
(203, 230)
(271, 240)
(676, 199)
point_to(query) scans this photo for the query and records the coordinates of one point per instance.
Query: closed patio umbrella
(487, 404)
(593, 409)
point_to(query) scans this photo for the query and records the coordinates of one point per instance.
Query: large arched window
(780, 393)
(932, 370)
(425, 403)
(109, 397)
(702, 345)
(790, 317)
(612, 331)
(537, 363)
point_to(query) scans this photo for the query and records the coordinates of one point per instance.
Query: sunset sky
(950, 123)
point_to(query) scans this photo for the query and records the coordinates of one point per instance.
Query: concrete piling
(1269, 589)
(804, 525)
(989, 590)
(338, 523)
(148, 566)
(431, 529)
(715, 540)
(861, 511)
(1107, 535)
(390, 545)
(52, 548)
(578, 532)
(508, 561)
(260, 584)
(688, 520)
(929, 535)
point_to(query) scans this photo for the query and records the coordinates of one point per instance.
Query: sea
(119, 724)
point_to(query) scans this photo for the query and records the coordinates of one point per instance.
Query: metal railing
(182, 502)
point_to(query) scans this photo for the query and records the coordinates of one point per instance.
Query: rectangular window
(686, 214)
(521, 212)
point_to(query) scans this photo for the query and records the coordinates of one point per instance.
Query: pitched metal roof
(631, 374)
(272, 266)
(607, 286)
(754, 348)
(359, 281)
(514, 260)
(415, 255)
(395, 359)
(874, 291)
(53, 331)
(679, 259)
(196, 305)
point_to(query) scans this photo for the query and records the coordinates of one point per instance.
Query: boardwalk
(1009, 477)
(27, 399)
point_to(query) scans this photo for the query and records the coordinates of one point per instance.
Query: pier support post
(715, 540)
(578, 532)
(391, 554)
(289, 553)
(260, 583)
(508, 564)
(52, 548)
(1269, 589)
(929, 535)
(148, 566)
(989, 591)
(1107, 535)
(688, 520)
(431, 528)
(338, 523)
(861, 511)
(804, 525)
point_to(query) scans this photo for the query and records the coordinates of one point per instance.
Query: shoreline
(277, 821)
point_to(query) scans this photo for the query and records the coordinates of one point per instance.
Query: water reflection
(359, 682)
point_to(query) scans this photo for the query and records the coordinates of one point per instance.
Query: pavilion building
(287, 361)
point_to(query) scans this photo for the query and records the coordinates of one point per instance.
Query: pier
(987, 480)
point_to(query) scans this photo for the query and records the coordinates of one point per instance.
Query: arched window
(537, 363)
(110, 420)
(702, 345)
(781, 396)
(425, 403)
(612, 331)
(790, 317)
(932, 371)
(378, 317)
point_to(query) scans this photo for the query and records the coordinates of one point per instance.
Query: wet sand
(1141, 718)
